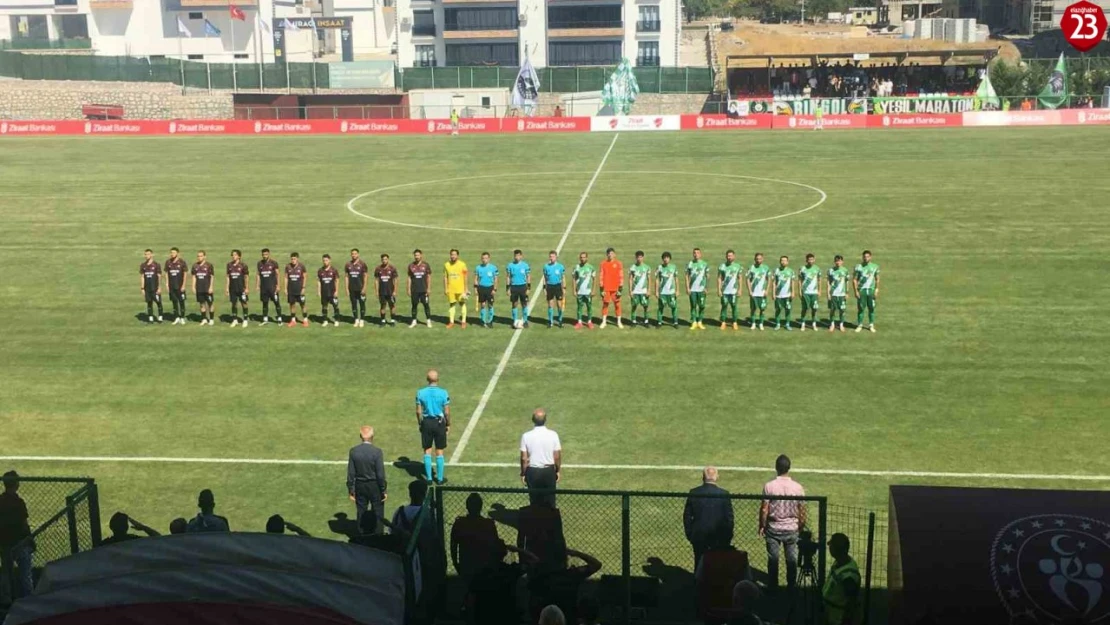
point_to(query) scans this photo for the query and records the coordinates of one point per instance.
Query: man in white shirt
(540, 459)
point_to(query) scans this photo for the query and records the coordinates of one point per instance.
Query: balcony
(585, 24)
(470, 33)
(424, 30)
(46, 44)
(647, 61)
(65, 5)
(647, 26)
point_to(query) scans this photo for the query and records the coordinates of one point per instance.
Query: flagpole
(261, 53)
(180, 55)
(315, 40)
(285, 59)
(234, 73)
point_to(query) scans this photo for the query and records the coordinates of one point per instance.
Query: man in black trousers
(366, 483)
(708, 521)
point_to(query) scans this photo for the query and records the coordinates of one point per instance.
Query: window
(196, 57)
(65, 3)
(648, 54)
(480, 19)
(583, 53)
(425, 56)
(423, 23)
(196, 15)
(649, 19)
(485, 102)
(242, 56)
(506, 54)
(584, 17)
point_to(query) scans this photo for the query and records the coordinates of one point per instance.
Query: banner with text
(939, 105)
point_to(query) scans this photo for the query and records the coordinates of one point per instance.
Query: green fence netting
(556, 79)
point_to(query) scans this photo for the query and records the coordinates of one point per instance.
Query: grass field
(990, 356)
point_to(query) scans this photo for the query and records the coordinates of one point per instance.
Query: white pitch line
(603, 467)
(481, 407)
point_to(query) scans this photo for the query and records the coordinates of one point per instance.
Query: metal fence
(556, 79)
(647, 563)
(64, 515)
(195, 74)
(42, 43)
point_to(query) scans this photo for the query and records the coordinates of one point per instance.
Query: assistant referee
(433, 416)
(541, 460)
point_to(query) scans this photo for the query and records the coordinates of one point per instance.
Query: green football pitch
(989, 364)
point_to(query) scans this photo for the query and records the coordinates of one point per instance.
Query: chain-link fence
(64, 516)
(647, 564)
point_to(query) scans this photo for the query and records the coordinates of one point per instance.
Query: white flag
(526, 88)
(182, 29)
(262, 24)
(290, 26)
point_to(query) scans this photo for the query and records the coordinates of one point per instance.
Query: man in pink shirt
(780, 521)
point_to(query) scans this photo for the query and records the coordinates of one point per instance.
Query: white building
(141, 28)
(549, 32)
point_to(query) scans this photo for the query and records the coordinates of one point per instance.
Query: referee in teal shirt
(433, 415)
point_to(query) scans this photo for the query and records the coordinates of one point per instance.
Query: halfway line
(604, 467)
(481, 407)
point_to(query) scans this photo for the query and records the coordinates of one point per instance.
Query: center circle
(532, 190)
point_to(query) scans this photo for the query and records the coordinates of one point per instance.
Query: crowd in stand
(853, 80)
(541, 575)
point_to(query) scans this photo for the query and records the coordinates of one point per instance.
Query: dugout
(321, 106)
(761, 74)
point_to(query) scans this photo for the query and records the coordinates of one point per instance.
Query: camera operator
(780, 521)
(842, 585)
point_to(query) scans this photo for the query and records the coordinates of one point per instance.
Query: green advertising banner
(938, 105)
(361, 75)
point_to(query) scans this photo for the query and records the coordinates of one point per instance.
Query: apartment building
(549, 32)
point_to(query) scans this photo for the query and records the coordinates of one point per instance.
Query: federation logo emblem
(700, 122)
(886, 120)
(3, 128)
(658, 122)
(1082, 117)
(343, 126)
(793, 123)
(613, 123)
(257, 127)
(1052, 568)
(431, 126)
(519, 125)
(173, 127)
(88, 127)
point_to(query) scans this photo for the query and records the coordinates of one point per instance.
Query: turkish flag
(236, 12)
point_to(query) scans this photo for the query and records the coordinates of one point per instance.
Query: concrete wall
(32, 99)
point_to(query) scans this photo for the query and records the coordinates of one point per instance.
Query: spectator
(277, 525)
(366, 482)
(433, 559)
(560, 586)
(707, 518)
(207, 520)
(589, 610)
(716, 577)
(370, 535)
(179, 526)
(15, 529)
(552, 615)
(744, 596)
(780, 521)
(540, 531)
(541, 458)
(119, 524)
(489, 594)
(558, 111)
(474, 541)
(842, 586)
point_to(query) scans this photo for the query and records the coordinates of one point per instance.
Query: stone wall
(43, 99)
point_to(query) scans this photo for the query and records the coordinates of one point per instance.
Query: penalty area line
(583, 467)
(472, 423)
